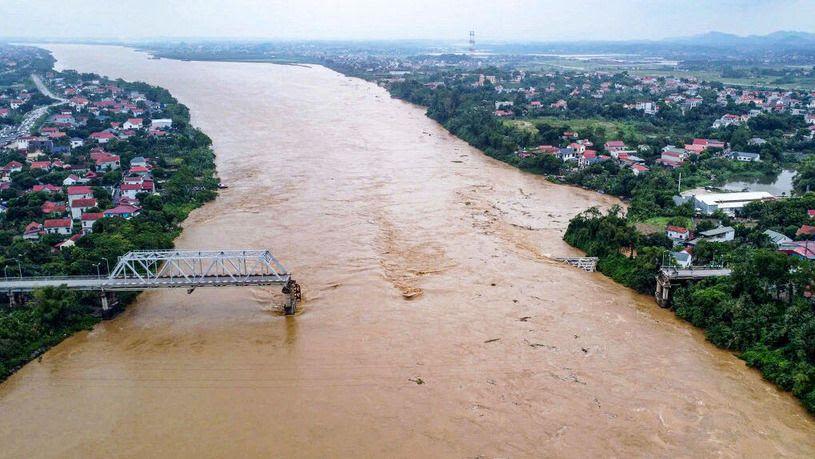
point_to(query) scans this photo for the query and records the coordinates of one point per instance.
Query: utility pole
(679, 185)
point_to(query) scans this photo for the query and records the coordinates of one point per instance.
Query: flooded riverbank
(369, 203)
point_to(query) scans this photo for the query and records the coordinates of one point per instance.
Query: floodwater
(778, 185)
(435, 322)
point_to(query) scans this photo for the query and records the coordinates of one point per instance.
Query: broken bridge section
(670, 277)
(585, 263)
(190, 269)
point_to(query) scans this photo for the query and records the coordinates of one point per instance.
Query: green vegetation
(610, 129)
(53, 315)
(467, 111)
(183, 165)
(763, 311)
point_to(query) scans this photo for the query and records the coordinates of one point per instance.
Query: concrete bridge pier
(663, 292)
(15, 299)
(292, 288)
(110, 302)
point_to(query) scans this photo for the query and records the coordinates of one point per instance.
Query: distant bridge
(190, 269)
(585, 263)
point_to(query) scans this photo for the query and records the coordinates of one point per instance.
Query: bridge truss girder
(237, 265)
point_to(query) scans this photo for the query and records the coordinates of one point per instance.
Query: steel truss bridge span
(190, 269)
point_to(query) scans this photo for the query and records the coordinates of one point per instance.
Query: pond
(779, 185)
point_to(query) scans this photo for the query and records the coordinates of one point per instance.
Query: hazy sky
(510, 20)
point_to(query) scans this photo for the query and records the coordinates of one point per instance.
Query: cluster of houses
(652, 93)
(582, 152)
(84, 160)
(76, 214)
(803, 246)
(13, 99)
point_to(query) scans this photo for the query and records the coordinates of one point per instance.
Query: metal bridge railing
(147, 269)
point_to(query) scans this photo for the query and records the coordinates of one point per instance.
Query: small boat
(222, 186)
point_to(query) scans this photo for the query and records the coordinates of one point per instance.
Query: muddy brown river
(421, 260)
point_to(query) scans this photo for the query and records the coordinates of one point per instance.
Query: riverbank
(762, 311)
(635, 273)
(792, 368)
(651, 197)
(181, 161)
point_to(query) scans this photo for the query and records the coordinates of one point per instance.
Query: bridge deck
(27, 284)
(690, 274)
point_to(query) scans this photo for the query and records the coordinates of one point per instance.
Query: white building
(161, 123)
(729, 203)
(745, 156)
(720, 234)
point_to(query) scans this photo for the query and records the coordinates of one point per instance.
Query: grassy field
(563, 63)
(658, 224)
(613, 129)
(762, 82)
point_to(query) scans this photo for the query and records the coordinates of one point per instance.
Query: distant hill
(786, 39)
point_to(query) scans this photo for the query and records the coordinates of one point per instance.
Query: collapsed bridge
(190, 269)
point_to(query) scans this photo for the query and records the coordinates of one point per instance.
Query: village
(66, 165)
(608, 131)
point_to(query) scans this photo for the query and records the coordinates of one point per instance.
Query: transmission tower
(472, 41)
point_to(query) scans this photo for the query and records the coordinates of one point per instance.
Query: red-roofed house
(614, 145)
(48, 188)
(677, 233)
(133, 123)
(79, 206)
(800, 249)
(587, 158)
(548, 149)
(107, 162)
(78, 192)
(88, 219)
(58, 226)
(13, 166)
(806, 231)
(70, 242)
(51, 207)
(132, 189)
(32, 231)
(140, 170)
(42, 165)
(695, 148)
(72, 179)
(78, 102)
(638, 169)
(103, 136)
(125, 201)
(123, 211)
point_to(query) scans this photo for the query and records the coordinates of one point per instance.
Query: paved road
(12, 133)
(27, 284)
(47, 92)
